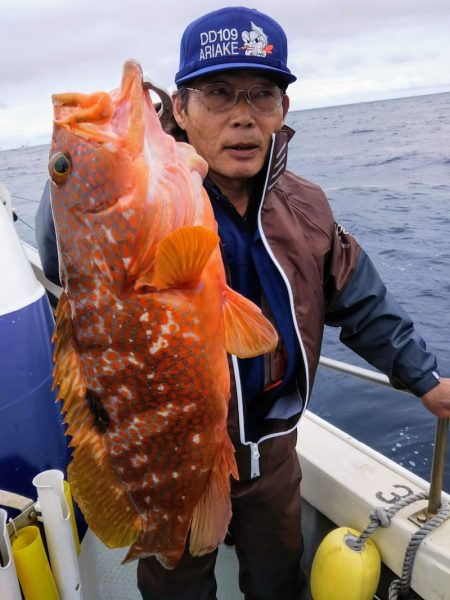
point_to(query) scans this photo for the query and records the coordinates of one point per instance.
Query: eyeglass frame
(238, 94)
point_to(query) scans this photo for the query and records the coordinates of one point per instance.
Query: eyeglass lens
(220, 96)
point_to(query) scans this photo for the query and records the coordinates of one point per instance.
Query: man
(283, 250)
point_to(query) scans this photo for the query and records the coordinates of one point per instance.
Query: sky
(342, 51)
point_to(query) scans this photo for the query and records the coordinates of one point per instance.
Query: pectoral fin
(182, 256)
(246, 332)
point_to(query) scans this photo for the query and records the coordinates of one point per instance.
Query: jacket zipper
(253, 446)
(254, 460)
(254, 450)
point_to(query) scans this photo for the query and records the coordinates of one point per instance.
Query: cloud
(335, 19)
(342, 50)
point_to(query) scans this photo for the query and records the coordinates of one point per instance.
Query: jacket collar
(278, 156)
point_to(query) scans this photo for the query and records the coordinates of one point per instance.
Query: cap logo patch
(225, 42)
(256, 42)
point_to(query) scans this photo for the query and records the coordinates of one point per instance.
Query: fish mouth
(103, 117)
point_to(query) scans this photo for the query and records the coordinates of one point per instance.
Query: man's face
(234, 142)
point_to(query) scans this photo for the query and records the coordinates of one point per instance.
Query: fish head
(98, 174)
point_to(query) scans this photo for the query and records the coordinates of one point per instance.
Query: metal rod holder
(437, 469)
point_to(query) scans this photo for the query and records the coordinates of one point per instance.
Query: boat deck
(114, 581)
(105, 578)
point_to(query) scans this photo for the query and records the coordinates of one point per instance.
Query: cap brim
(286, 77)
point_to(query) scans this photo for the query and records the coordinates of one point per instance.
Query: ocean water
(385, 167)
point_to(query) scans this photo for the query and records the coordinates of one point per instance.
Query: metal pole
(437, 469)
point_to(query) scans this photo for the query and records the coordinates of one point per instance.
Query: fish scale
(143, 327)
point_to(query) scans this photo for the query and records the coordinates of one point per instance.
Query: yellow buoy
(340, 573)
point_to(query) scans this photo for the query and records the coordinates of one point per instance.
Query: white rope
(381, 517)
(401, 588)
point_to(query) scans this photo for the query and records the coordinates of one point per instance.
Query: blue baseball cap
(233, 38)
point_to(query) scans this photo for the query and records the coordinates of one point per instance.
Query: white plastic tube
(58, 533)
(9, 584)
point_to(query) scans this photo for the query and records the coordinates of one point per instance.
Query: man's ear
(286, 103)
(179, 113)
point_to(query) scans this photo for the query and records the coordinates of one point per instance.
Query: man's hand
(437, 400)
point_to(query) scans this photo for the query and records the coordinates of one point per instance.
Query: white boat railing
(325, 362)
(348, 369)
(441, 435)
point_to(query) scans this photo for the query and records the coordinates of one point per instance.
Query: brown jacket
(330, 280)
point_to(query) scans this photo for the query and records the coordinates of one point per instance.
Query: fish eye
(59, 167)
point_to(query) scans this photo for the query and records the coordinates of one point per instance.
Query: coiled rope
(381, 517)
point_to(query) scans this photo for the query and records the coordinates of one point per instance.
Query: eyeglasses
(219, 97)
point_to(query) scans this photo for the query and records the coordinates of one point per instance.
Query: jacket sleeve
(46, 237)
(377, 328)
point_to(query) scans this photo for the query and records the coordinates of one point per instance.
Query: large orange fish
(143, 327)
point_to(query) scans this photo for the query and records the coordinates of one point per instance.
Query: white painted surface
(58, 533)
(18, 285)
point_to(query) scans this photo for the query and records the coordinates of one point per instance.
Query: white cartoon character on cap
(256, 42)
